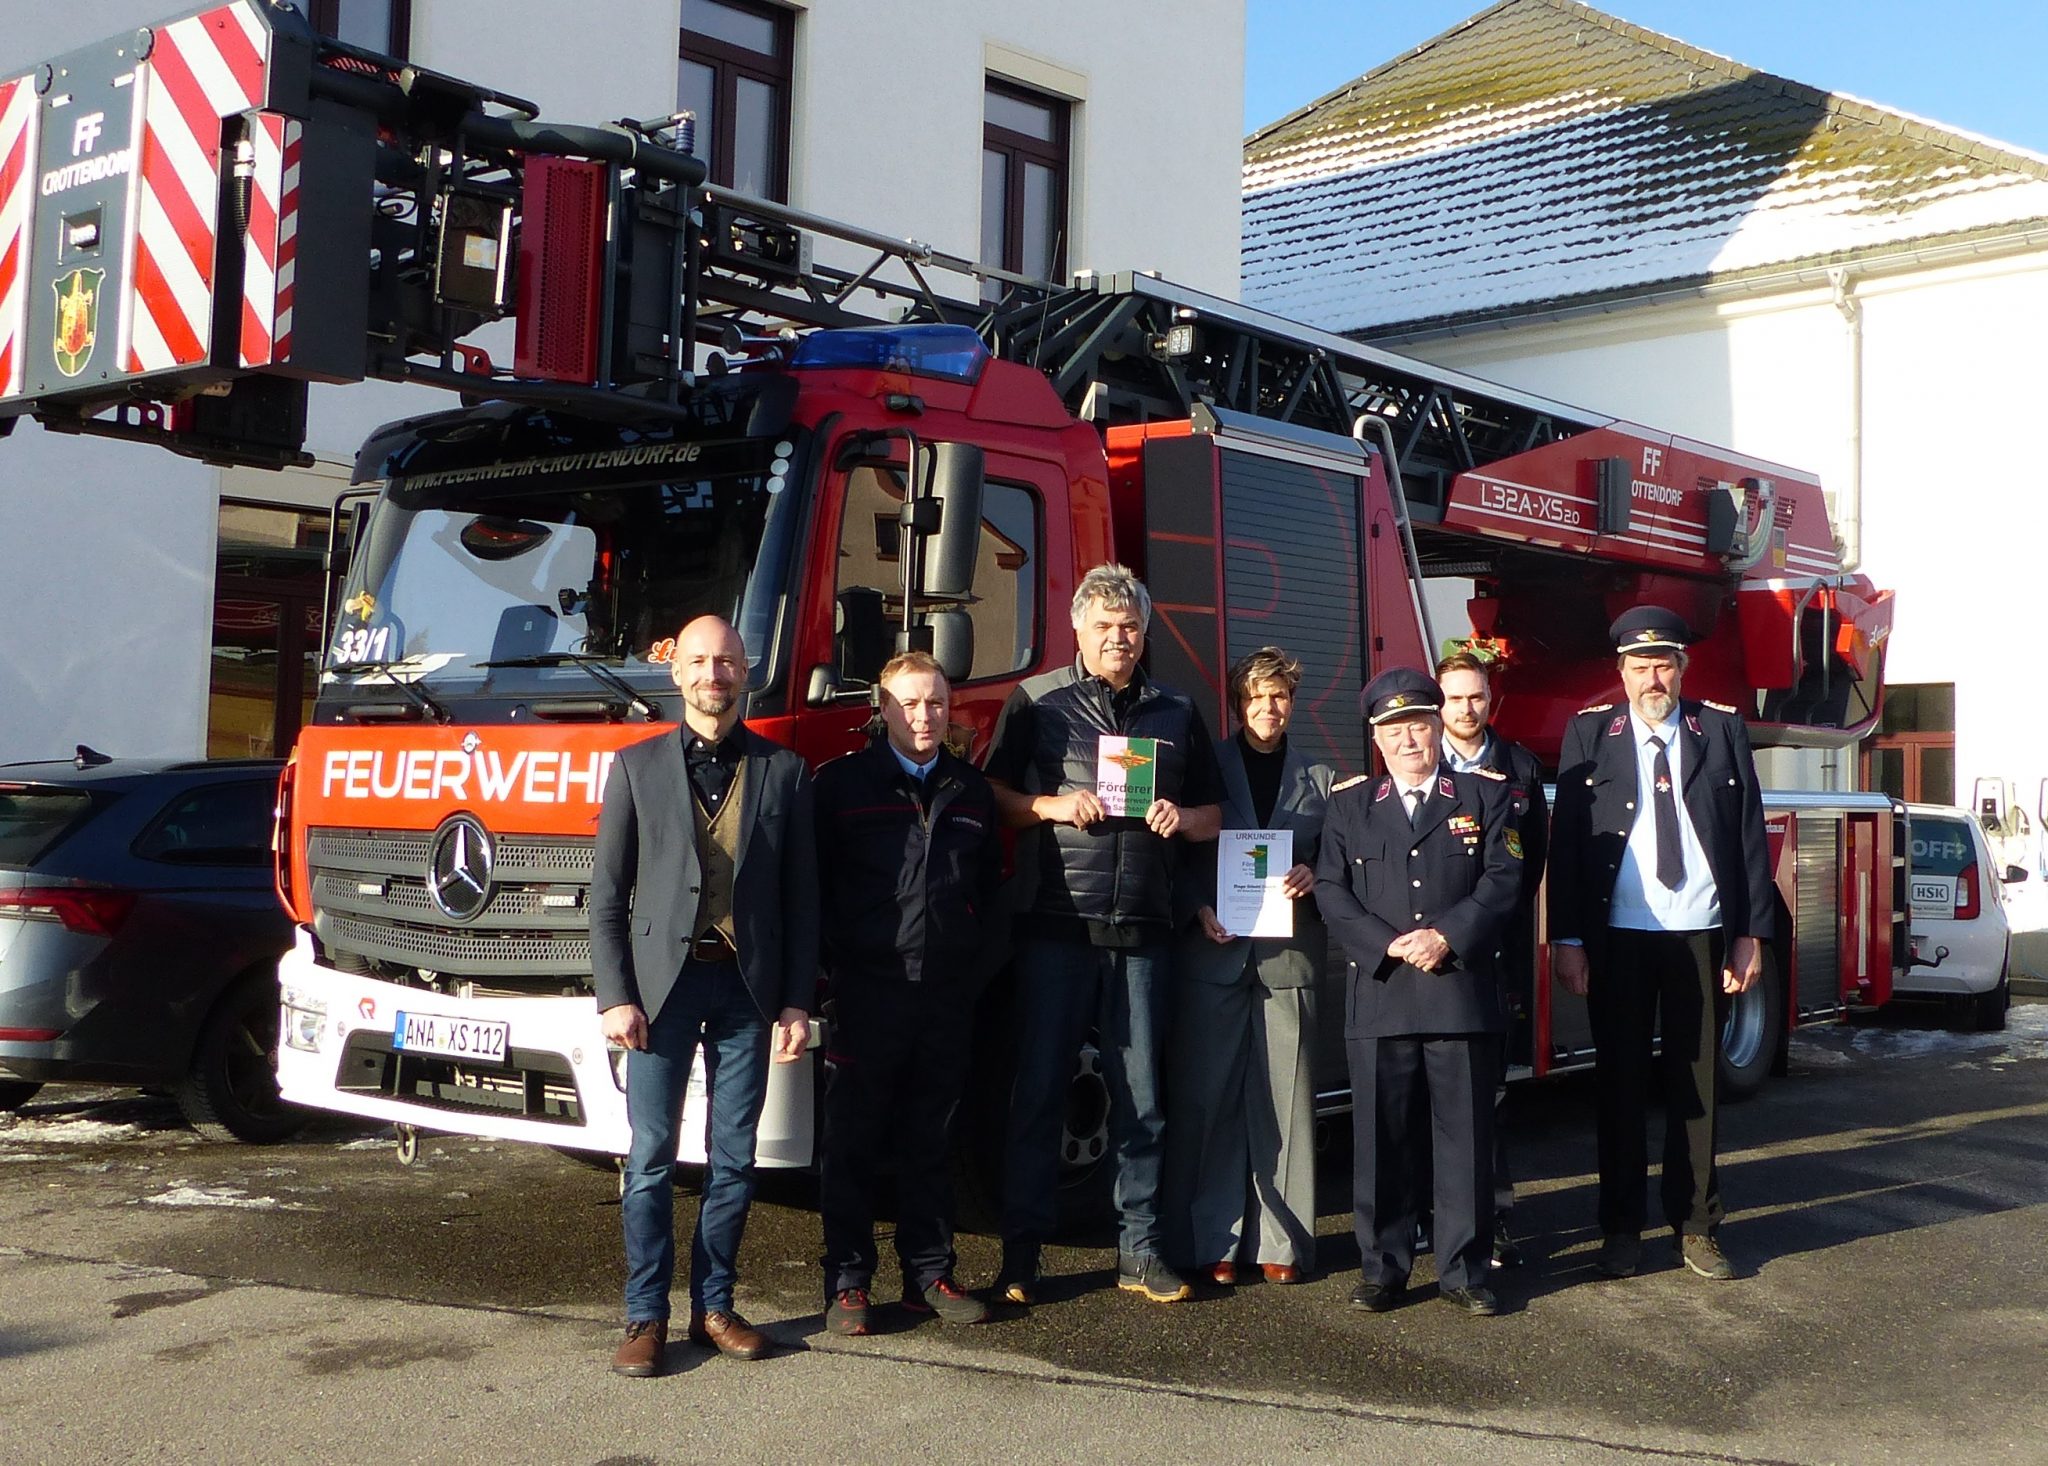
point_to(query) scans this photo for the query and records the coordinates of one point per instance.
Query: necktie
(1670, 854)
(1415, 798)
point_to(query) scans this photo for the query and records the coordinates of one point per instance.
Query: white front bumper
(322, 1007)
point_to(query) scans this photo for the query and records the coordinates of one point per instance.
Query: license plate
(451, 1038)
(1934, 896)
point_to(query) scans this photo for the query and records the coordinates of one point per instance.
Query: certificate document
(1126, 774)
(1250, 866)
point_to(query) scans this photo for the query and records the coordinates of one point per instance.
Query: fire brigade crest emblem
(78, 319)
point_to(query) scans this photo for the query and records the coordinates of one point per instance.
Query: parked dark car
(139, 935)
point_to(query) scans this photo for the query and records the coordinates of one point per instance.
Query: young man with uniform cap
(1417, 876)
(1666, 913)
(1471, 743)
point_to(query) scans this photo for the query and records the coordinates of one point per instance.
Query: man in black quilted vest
(1094, 937)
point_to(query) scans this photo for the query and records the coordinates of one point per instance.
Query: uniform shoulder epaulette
(1719, 707)
(1494, 774)
(1598, 707)
(1347, 783)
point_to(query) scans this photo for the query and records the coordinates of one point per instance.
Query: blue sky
(1972, 64)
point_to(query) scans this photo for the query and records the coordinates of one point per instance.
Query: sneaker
(1151, 1277)
(1620, 1255)
(1017, 1282)
(1701, 1251)
(847, 1313)
(948, 1300)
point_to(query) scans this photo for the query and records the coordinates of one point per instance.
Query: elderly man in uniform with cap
(1666, 914)
(1418, 876)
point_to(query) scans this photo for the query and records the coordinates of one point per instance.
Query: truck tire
(1753, 1034)
(230, 1092)
(1087, 1172)
(1987, 1010)
(14, 1093)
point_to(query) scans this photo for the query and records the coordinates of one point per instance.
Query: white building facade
(167, 608)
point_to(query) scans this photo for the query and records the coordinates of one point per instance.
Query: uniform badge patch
(1692, 721)
(1445, 787)
(1463, 824)
(1386, 788)
(1513, 840)
(1614, 728)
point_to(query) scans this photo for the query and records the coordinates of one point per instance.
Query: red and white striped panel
(18, 112)
(269, 265)
(201, 69)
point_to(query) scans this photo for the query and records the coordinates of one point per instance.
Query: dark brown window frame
(729, 63)
(1021, 147)
(326, 18)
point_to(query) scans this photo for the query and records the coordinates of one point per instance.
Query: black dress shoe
(1621, 1253)
(1477, 1301)
(1376, 1297)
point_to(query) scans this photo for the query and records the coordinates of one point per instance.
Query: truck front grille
(372, 901)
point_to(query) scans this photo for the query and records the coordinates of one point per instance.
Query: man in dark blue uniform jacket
(912, 855)
(1667, 913)
(1417, 878)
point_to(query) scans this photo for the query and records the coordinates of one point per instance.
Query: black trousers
(1638, 977)
(1422, 1118)
(894, 1069)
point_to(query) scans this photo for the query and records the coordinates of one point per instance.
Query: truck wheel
(231, 1091)
(1087, 1174)
(1752, 1034)
(14, 1093)
(1987, 1010)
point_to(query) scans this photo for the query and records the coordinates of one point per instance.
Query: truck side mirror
(953, 642)
(946, 568)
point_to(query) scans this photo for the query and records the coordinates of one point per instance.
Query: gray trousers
(1240, 1124)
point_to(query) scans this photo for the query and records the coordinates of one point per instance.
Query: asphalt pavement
(164, 1299)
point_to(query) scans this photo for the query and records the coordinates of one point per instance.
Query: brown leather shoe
(1223, 1274)
(640, 1354)
(729, 1334)
(1280, 1272)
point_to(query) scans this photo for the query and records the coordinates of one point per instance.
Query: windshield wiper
(590, 664)
(424, 700)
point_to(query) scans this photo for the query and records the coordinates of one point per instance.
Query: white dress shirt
(1642, 902)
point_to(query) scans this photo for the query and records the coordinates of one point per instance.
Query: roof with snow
(1544, 153)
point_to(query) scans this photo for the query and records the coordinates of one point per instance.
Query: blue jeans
(709, 1005)
(1063, 989)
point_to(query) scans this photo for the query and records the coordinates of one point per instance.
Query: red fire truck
(700, 415)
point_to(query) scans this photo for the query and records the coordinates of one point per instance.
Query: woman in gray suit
(1240, 1133)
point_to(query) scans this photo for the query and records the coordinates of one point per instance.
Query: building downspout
(1850, 501)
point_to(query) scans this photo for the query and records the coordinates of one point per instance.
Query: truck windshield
(523, 563)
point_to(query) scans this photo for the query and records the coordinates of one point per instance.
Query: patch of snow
(67, 1132)
(222, 1196)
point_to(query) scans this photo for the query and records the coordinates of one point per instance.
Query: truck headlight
(304, 1017)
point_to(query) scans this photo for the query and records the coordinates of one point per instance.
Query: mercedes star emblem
(459, 868)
